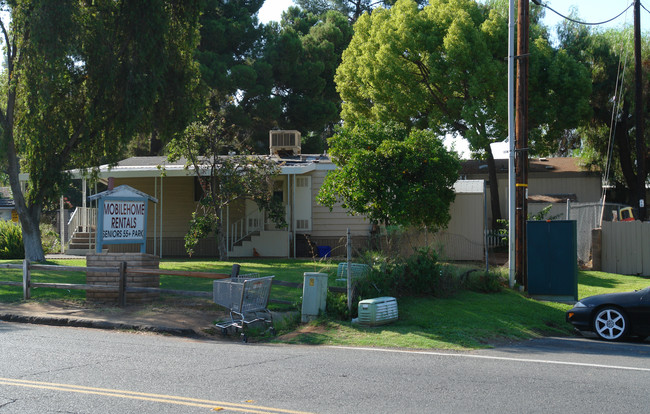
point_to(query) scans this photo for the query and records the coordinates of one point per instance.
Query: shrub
(337, 306)
(49, 239)
(11, 241)
(417, 275)
(421, 275)
(481, 281)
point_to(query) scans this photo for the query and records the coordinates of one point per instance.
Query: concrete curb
(95, 324)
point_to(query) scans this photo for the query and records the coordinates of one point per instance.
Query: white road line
(497, 358)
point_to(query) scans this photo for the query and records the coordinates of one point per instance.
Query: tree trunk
(29, 217)
(155, 144)
(32, 235)
(221, 237)
(622, 138)
(495, 204)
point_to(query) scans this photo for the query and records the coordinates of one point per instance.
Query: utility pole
(511, 143)
(638, 109)
(521, 143)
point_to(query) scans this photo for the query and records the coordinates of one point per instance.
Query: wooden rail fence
(122, 287)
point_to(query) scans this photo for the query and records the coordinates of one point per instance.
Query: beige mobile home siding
(177, 203)
(463, 238)
(326, 224)
(587, 188)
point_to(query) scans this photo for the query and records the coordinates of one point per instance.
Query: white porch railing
(82, 219)
(243, 228)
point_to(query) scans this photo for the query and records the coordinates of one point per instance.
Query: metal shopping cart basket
(247, 297)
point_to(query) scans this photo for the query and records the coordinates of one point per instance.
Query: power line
(539, 3)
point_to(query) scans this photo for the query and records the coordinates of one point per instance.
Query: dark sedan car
(613, 316)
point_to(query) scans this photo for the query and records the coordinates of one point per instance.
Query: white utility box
(314, 295)
(378, 311)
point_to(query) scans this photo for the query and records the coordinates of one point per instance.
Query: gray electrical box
(314, 295)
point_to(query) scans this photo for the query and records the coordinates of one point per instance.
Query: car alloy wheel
(610, 324)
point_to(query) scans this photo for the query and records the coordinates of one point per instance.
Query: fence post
(349, 281)
(26, 280)
(122, 285)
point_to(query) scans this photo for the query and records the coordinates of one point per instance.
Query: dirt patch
(308, 329)
(180, 314)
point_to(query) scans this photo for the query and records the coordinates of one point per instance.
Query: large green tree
(81, 78)
(392, 175)
(233, 71)
(304, 51)
(443, 67)
(279, 75)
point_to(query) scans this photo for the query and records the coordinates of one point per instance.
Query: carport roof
(535, 165)
(154, 166)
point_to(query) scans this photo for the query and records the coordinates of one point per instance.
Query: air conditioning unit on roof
(284, 142)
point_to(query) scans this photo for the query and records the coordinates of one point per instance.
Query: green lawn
(467, 320)
(594, 283)
(284, 270)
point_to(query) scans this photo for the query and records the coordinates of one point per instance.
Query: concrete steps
(266, 244)
(81, 243)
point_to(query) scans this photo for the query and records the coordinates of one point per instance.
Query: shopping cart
(247, 297)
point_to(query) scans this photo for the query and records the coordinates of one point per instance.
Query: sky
(272, 10)
(591, 11)
(588, 10)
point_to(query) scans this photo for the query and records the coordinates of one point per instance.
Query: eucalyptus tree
(81, 78)
(443, 68)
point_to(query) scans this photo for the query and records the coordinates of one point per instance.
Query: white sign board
(123, 220)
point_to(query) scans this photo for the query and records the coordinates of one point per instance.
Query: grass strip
(467, 320)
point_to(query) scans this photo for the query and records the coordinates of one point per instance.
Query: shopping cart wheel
(244, 338)
(272, 330)
(224, 331)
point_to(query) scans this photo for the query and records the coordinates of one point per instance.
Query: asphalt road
(72, 370)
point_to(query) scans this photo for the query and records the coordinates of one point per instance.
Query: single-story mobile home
(249, 233)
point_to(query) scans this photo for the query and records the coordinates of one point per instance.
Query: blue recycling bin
(324, 251)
